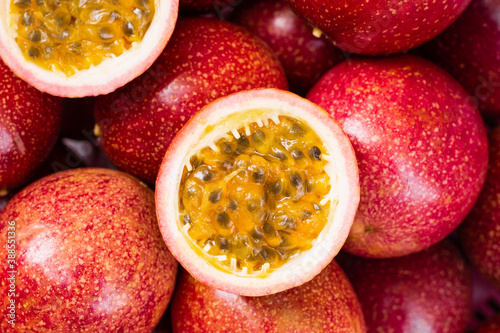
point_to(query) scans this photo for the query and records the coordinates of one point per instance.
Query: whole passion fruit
(204, 60)
(257, 193)
(429, 291)
(492, 326)
(480, 233)
(84, 254)
(200, 6)
(83, 48)
(421, 147)
(29, 124)
(379, 26)
(327, 304)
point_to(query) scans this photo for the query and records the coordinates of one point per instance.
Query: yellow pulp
(256, 200)
(71, 35)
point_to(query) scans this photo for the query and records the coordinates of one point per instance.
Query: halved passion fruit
(75, 48)
(258, 192)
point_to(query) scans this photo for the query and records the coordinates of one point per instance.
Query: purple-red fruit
(480, 233)
(379, 26)
(470, 51)
(201, 6)
(428, 291)
(29, 124)
(492, 326)
(326, 304)
(205, 59)
(89, 256)
(422, 150)
(304, 57)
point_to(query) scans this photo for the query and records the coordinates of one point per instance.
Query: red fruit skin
(29, 124)
(304, 57)
(492, 326)
(470, 51)
(205, 59)
(422, 150)
(429, 291)
(325, 304)
(90, 256)
(378, 27)
(201, 6)
(480, 233)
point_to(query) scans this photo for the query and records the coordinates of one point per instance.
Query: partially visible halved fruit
(80, 48)
(258, 192)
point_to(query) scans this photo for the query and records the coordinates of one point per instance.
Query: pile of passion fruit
(312, 165)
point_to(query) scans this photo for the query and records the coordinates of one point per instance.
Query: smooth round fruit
(29, 125)
(304, 57)
(429, 291)
(200, 6)
(257, 192)
(493, 326)
(204, 60)
(327, 304)
(76, 49)
(421, 147)
(89, 255)
(480, 233)
(470, 51)
(379, 26)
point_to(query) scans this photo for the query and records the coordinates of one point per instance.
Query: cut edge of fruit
(258, 106)
(111, 74)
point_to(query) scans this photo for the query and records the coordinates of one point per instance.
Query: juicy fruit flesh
(257, 197)
(72, 35)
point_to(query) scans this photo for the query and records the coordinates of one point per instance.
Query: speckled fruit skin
(422, 150)
(205, 59)
(480, 233)
(380, 26)
(29, 124)
(470, 51)
(90, 257)
(493, 326)
(325, 304)
(429, 291)
(304, 57)
(200, 6)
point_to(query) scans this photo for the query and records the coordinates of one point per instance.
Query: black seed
(315, 153)
(267, 254)
(222, 219)
(35, 36)
(309, 186)
(258, 137)
(128, 29)
(233, 205)
(39, 2)
(288, 223)
(33, 52)
(295, 179)
(297, 154)
(223, 243)
(258, 176)
(106, 33)
(277, 187)
(297, 130)
(215, 196)
(191, 191)
(317, 207)
(368, 228)
(143, 3)
(251, 206)
(186, 219)
(207, 175)
(256, 235)
(306, 214)
(27, 18)
(268, 229)
(22, 3)
(238, 152)
(226, 148)
(285, 244)
(243, 141)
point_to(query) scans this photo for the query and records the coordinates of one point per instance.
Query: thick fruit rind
(111, 74)
(208, 120)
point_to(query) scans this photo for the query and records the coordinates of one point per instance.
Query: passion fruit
(480, 233)
(81, 48)
(257, 193)
(379, 27)
(85, 255)
(29, 124)
(421, 147)
(492, 326)
(325, 304)
(204, 60)
(200, 6)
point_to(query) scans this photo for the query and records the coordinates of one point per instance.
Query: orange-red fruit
(205, 59)
(89, 255)
(428, 291)
(327, 304)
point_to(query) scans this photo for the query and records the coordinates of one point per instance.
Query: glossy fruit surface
(205, 59)
(379, 26)
(327, 304)
(421, 148)
(428, 291)
(248, 202)
(89, 255)
(29, 125)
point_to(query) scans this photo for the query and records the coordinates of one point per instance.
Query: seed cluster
(71, 35)
(257, 199)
